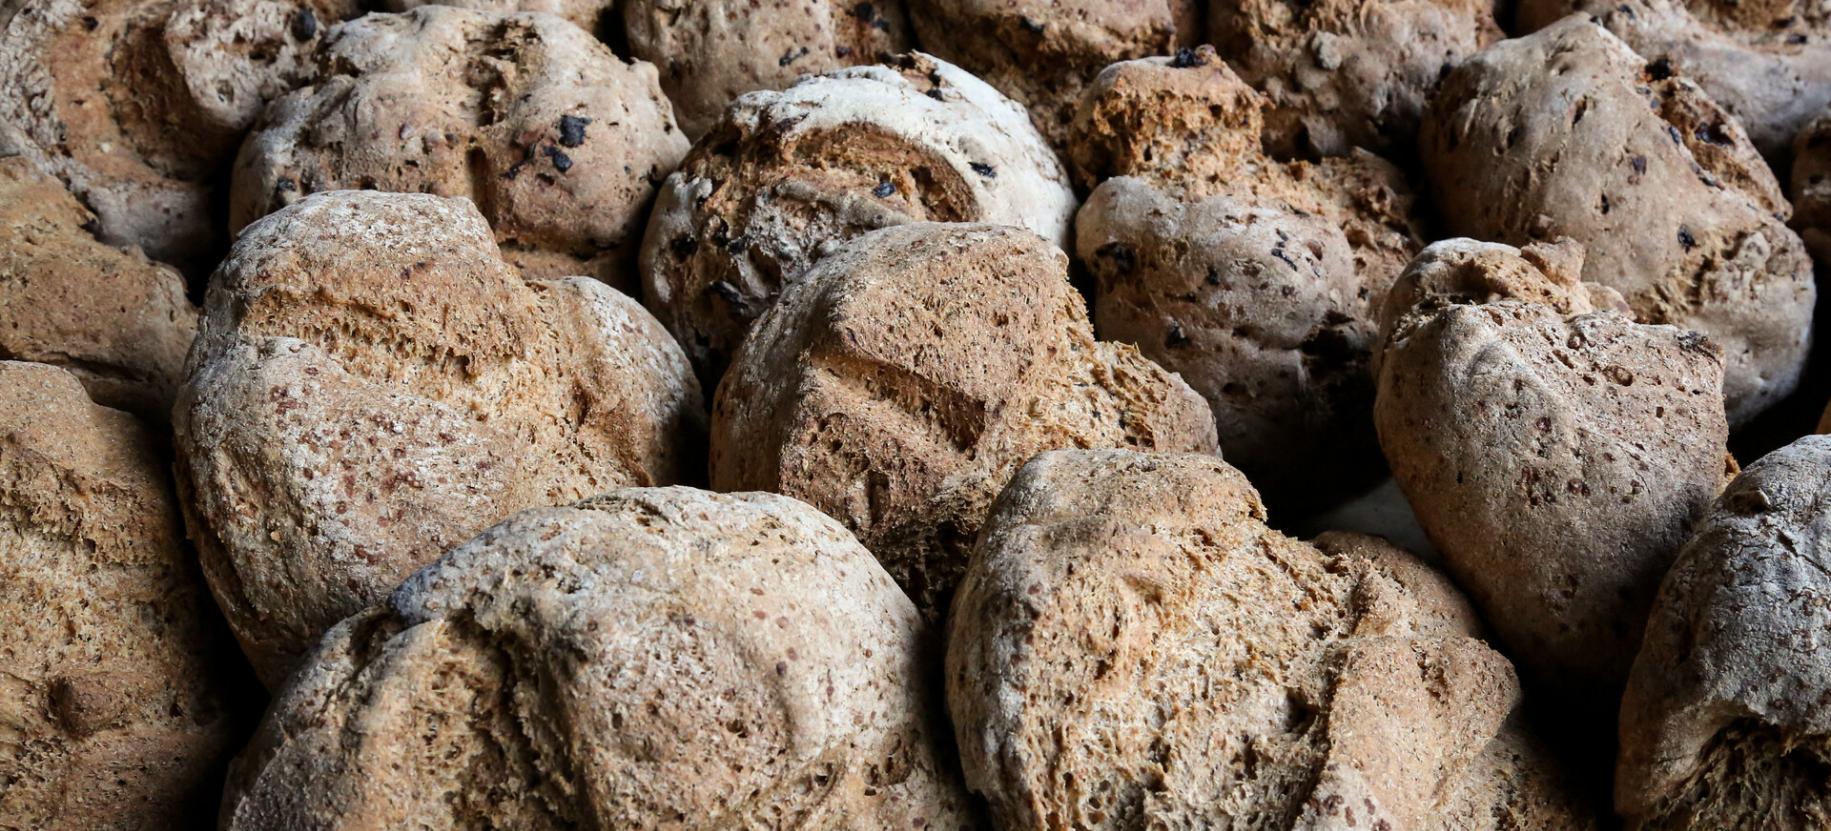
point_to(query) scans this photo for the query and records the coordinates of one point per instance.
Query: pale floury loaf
(1556, 452)
(372, 384)
(1255, 279)
(137, 104)
(784, 176)
(116, 673)
(901, 383)
(113, 318)
(650, 658)
(558, 141)
(1132, 648)
(1569, 133)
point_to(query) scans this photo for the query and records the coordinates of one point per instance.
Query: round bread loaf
(372, 384)
(649, 658)
(558, 142)
(1132, 648)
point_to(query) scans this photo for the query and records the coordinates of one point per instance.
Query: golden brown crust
(115, 672)
(113, 318)
(648, 658)
(1133, 648)
(908, 376)
(372, 383)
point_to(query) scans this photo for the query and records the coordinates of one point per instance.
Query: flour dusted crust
(134, 104)
(113, 318)
(1557, 452)
(1255, 279)
(115, 672)
(784, 176)
(901, 383)
(1662, 187)
(588, 15)
(1723, 725)
(1766, 62)
(1341, 74)
(1133, 648)
(372, 384)
(559, 143)
(711, 51)
(649, 658)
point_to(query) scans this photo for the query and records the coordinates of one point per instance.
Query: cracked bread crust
(372, 384)
(1255, 279)
(786, 176)
(1557, 454)
(1569, 133)
(649, 658)
(134, 104)
(1342, 74)
(902, 382)
(116, 675)
(559, 143)
(113, 318)
(711, 51)
(1133, 648)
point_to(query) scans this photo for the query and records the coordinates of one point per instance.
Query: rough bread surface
(1557, 453)
(1723, 724)
(114, 667)
(113, 318)
(907, 377)
(784, 176)
(1342, 74)
(372, 385)
(1255, 279)
(1133, 648)
(585, 14)
(1811, 187)
(649, 658)
(560, 143)
(1768, 63)
(1043, 53)
(711, 51)
(1569, 133)
(135, 104)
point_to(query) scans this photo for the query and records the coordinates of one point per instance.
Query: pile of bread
(918, 414)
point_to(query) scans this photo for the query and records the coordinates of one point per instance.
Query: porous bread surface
(649, 658)
(900, 384)
(1133, 648)
(785, 176)
(114, 668)
(372, 384)
(1043, 53)
(559, 143)
(711, 51)
(1255, 279)
(1767, 62)
(1341, 74)
(1724, 724)
(585, 14)
(117, 321)
(1569, 133)
(134, 104)
(1557, 454)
